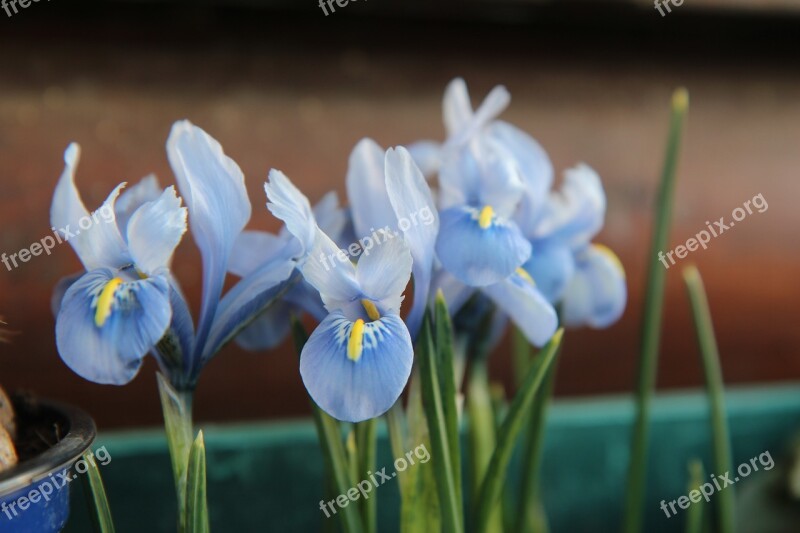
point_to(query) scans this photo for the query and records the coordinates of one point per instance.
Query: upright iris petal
(213, 186)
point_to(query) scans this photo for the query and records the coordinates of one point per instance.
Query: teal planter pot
(268, 477)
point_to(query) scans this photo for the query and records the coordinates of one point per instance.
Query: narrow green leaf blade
(95, 492)
(196, 497)
(177, 410)
(482, 433)
(694, 515)
(651, 322)
(520, 408)
(452, 520)
(447, 376)
(715, 390)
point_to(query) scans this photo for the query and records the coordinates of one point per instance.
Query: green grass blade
(694, 516)
(333, 452)
(452, 520)
(95, 492)
(651, 325)
(492, 484)
(196, 497)
(447, 377)
(716, 393)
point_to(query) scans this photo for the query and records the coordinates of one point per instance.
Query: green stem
(367, 444)
(492, 484)
(651, 328)
(694, 516)
(715, 390)
(177, 409)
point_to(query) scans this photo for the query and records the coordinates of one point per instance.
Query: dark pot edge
(81, 435)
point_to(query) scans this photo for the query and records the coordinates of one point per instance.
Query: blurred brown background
(281, 85)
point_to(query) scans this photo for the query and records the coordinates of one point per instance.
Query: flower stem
(177, 409)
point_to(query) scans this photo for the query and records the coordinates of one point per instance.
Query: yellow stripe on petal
(371, 309)
(355, 344)
(606, 251)
(105, 301)
(521, 272)
(485, 217)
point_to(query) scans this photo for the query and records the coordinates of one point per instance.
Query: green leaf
(452, 519)
(196, 497)
(333, 451)
(492, 484)
(177, 409)
(447, 378)
(651, 322)
(95, 492)
(530, 510)
(715, 390)
(694, 516)
(481, 432)
(421, 511)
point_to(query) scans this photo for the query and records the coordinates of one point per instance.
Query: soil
(38, 429)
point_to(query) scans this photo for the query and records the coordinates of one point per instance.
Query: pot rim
(79, 438)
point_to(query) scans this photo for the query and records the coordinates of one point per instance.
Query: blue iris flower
(127, 304)
(358, 360)
(112, 315)
(492, 177)
(586, 279)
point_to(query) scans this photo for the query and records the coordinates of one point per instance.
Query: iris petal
(551, 265)
(526, 306)
(366, 189)
(287, 203)
(254, 248)
(213, 187)
(575, 214)
(268, 330)
(133, 198)
(479, 256)
(113, 353)
(245, 301)
(350, 390)
(155, 230)
(413, 205)
(597, 293)
(98, 245)
(383, 273)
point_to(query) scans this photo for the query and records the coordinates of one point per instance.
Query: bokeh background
(281, 85)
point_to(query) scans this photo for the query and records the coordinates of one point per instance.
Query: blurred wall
(296, 90)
